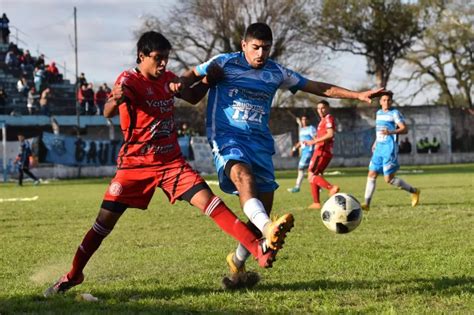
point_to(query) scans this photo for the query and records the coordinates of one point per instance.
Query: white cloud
(105, 32)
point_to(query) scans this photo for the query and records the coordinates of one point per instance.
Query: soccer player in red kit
(150, 157)
(322, 155)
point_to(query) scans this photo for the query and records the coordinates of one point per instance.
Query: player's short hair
(388, 93)
(151, 41)
(324, 102)
(259, 31)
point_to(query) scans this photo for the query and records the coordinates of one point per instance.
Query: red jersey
(147, 121)
(327, 122)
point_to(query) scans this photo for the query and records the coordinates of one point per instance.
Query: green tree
(444, 57)
(382, 31)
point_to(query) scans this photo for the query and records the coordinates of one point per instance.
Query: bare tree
(201, 29)
(380, 30)
(444, 58)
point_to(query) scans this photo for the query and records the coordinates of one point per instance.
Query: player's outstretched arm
(334, 91)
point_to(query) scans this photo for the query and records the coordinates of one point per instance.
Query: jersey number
(247, 115)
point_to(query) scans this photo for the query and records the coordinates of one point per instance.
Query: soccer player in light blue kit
(237, 129)
(389, 123)
(306, 133)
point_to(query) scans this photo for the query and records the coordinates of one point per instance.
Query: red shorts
(135, 187)
(319, 162)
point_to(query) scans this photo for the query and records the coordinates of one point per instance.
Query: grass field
(170, 259)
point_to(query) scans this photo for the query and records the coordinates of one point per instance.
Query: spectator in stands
(22, 86)
(405, 146)
(4, 28)
(11, 60)
(44, 102)
(38, 79)
(3, 100)
(106, 88)
(53, 72)
(32, 99)
(80, 98)
(40, 62)
(100, 98)
(23, 161)
(435, 145)
(27, 62)
(82, 79)
(87, 105)
(185, 130)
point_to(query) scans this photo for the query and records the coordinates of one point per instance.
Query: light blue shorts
(384, 162)
(305, 159)
(252, 153)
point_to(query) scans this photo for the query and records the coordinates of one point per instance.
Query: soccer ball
(341, 213)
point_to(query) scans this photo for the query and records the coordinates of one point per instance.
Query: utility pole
(78, 116)
(77, 72)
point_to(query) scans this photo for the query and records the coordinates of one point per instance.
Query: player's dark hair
(259, 31)
(324, 102)
(151, 41)
(388, 93)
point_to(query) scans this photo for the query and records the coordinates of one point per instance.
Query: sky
(106, 41)
(105, 29)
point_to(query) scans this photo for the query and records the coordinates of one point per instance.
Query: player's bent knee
(190, 194)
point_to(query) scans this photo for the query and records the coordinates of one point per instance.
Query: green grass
(170, 259)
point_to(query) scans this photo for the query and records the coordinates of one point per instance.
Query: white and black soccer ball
(341, 213)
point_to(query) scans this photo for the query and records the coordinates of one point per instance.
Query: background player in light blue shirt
(389, 123)
(238, 132)
(306, 133)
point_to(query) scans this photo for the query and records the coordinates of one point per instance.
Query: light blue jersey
(240, 104)
(238, 112)
(385, 157)
(306, 134)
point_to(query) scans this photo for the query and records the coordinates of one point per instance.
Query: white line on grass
(19, 199)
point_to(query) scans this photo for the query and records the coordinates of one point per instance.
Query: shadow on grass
(443, 286)
(160, 300)
(422, 203)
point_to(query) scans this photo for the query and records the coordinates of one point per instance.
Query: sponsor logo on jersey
(161, 128)
(149, 91)
(115, 189)
(266, 76)
(164, 105)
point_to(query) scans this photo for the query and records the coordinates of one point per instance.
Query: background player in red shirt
(150, 157)
(322, 155)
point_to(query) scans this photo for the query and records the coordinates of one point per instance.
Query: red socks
(229, 223)
(89, 245)
(321, 182)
